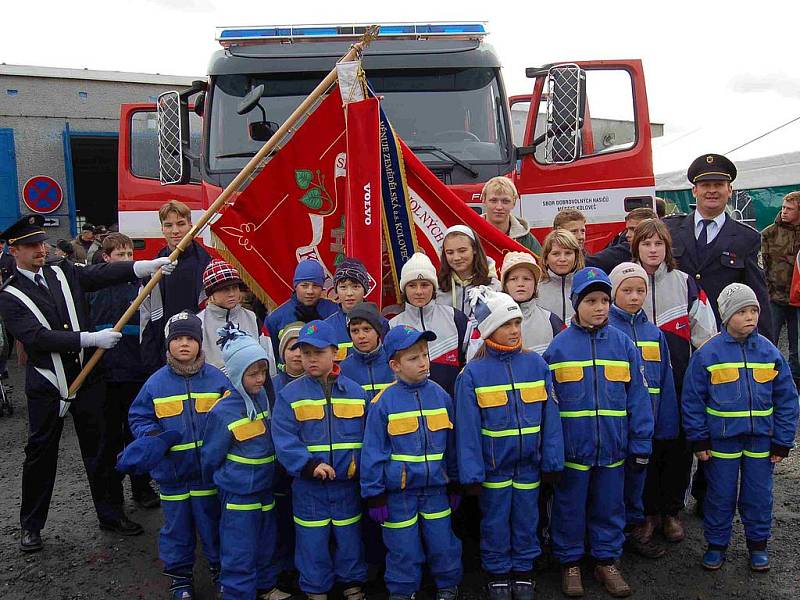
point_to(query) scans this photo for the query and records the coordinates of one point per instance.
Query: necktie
(702, 239)
(40, 282)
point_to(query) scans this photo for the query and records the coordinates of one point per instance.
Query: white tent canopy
(764, 172)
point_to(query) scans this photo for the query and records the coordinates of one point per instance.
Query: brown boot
(571, 583)
(612, 580)
(673, 529)
(650, 526)
(641, 541)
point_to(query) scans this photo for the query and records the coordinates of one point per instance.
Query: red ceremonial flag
(794, 290)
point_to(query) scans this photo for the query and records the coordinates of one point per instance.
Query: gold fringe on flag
(246, 277)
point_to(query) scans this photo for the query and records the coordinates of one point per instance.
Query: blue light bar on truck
(238, 36)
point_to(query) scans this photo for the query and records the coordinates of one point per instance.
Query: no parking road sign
(42, 194)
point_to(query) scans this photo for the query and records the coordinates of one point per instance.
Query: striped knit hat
(218, 273)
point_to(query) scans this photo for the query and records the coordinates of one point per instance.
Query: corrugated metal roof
(91, 75)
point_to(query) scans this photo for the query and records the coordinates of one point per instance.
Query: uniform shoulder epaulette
(746, 225)
(379, 394)
(8, 281)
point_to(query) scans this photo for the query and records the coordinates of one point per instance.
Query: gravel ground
(81, 562)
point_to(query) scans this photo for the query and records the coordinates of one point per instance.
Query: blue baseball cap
(586, 281)
(318, 334)
(144, 453)
(404, 336)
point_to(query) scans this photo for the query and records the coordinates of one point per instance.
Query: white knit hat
(734, 297)
(513, 260)
(625, 271)
(492, 309)
(418, 266)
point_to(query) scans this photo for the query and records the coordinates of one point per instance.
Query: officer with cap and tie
(711, 246)
(43, 307)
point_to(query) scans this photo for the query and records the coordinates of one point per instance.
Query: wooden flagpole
(354, 52)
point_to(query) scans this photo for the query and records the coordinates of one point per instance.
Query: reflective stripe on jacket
(739, 388)
(168, 401)
(652, 344)
(605, 409)
(507, 417)
(371, 371)
(309, 424)
(409, 442)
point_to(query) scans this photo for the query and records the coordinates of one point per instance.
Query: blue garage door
(9, 190)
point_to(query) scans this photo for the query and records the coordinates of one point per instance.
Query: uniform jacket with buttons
(238, 453)
(370, 370)
(737, 388)
(39, 342)
(508, 417)
(169, 401)
(606, 413)
(731, 257)
(652, 344)
(314, 425)
(409, 443)
(338, 321)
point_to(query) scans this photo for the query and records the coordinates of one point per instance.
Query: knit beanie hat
(184, 323)
(287, 334)
(352, 268)
(586, 281)
(492, 309)
(512, 260)
(239, 351)
(366, 311)
(308, 270)
(218, 274)
(625, 271)
(419, 266)
(733, 298)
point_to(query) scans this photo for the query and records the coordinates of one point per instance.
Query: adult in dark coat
(711, 246)
(44, 307)
(717, 250)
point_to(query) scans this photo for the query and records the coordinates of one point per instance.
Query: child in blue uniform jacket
(509, 438)
(606, 417)
(318, 431)
(291, 360)
(407, 463)
(238, 454)
(367, 364)
(305, 304)
(629, 289)
(740, 414)
(178, 397)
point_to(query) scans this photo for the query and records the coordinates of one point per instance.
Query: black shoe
(499, 589)
(146, 498)
(522, 589)
(31, 541)
(122, 526)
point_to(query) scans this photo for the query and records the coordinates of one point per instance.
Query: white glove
(106, 338)
(145, 268)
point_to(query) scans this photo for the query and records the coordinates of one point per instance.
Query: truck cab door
(140, 190)
(586, 144)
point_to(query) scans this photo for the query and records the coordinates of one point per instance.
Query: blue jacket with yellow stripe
(409, 442)
(652, 344)
(238, 453)
(312, 425)
(370, 370)
(169, 401)
(338, 321)
(507, 417)
(605, 410)
(736, 388)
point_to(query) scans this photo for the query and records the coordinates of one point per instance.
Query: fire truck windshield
(459, 111)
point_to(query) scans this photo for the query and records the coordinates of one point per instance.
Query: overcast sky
(718, 73)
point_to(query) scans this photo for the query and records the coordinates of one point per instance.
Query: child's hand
(324, 471)
(703, 455)
(775, 459)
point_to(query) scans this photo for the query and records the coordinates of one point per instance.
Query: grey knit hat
(735, 297)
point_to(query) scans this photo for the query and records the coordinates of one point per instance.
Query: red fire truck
(580, 139)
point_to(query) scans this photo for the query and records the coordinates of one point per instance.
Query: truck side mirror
(566, 105)
(173, 139)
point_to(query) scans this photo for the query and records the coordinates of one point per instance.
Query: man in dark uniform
(717, 250)
(43, 306)
(711, 246)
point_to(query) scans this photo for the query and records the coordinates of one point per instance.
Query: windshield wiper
(453, 159)
(237, 155)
